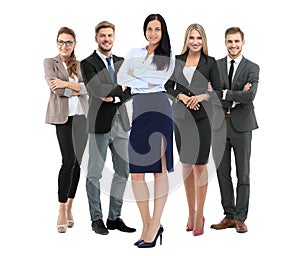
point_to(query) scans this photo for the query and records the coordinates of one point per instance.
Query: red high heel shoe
(189, 228)
(201, 231)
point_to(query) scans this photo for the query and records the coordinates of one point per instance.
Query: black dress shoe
(119, 224)
(99, 227)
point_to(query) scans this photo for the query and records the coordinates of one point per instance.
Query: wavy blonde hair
(200, 29)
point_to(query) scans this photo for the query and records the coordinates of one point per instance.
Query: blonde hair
(200, 29)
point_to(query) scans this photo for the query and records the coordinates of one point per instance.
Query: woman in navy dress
(146, 70)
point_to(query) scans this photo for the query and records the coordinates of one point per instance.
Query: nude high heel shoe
(62, 228)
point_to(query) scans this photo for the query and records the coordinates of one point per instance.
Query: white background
(30, 157)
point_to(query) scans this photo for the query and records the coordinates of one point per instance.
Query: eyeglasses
(67, 43)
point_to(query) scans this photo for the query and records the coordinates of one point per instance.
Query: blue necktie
(112, 75)
(110, 69)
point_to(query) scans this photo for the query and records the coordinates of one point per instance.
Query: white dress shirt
(144, 72)
(235, 66)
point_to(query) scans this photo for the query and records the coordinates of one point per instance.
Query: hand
(209, 87)
(131, 72)
(193, 103)
(203, 97)
(185, 99)
(56, 83)
(74, 93)
(151, 85)
(107, 99)
(247, 87)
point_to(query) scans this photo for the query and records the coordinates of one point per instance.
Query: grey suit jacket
(242, 115)
(58, 106)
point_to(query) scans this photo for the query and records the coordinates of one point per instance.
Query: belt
(227, 115)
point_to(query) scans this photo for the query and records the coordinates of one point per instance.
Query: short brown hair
(234, 30)
(104, 24)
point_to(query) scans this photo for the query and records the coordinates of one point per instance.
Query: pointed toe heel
(144, 244)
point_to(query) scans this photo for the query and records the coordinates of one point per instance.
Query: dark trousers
(72, 139)
(240, 143)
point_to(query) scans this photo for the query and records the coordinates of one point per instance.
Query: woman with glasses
(67, 108)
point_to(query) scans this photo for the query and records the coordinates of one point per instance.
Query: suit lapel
(98, 62)
(239, 70)
(181, 63)
(61, 68)
(224, 71)
(100, 66)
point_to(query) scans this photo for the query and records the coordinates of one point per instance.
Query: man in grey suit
(108, 126)
(239, 78)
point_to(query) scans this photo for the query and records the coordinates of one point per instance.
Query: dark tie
(110, 69)
(230, 73)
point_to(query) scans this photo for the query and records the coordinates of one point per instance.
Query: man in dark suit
(239, 79)
(108, 126)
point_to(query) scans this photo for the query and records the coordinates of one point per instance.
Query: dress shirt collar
(103, 57)
(236, 60)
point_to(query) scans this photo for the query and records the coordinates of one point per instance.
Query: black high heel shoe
(138, 242)
(144, 244)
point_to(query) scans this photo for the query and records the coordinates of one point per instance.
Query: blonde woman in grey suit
(67, 108)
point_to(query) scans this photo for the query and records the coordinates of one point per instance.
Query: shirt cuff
(68, 92)
(117, 100)
(224, 94)
(83, 90)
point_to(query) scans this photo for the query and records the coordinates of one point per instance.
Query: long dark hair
(162, 53)
(72, 66)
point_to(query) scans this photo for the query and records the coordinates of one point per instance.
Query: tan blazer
(58, 106)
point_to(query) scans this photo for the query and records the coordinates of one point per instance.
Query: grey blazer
(242, 115)
(58, 106)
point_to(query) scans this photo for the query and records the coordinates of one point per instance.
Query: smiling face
(194, 41)
(65, 45)
(234, 45)
(105, 39)
(153, 32)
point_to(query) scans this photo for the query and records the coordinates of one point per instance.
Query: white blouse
(75, 107)
(144, 72)
(189, 72)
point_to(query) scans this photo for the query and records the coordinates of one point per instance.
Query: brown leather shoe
(241, 226)
(225, 223)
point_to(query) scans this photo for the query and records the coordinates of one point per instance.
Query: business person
(67, 109)
(189, 86)
(145, 71)
(108, 126)
(239, 79)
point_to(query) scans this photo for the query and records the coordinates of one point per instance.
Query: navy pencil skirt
(152, 125)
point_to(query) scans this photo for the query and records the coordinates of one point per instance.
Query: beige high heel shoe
(62, 228)
(70, 223)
